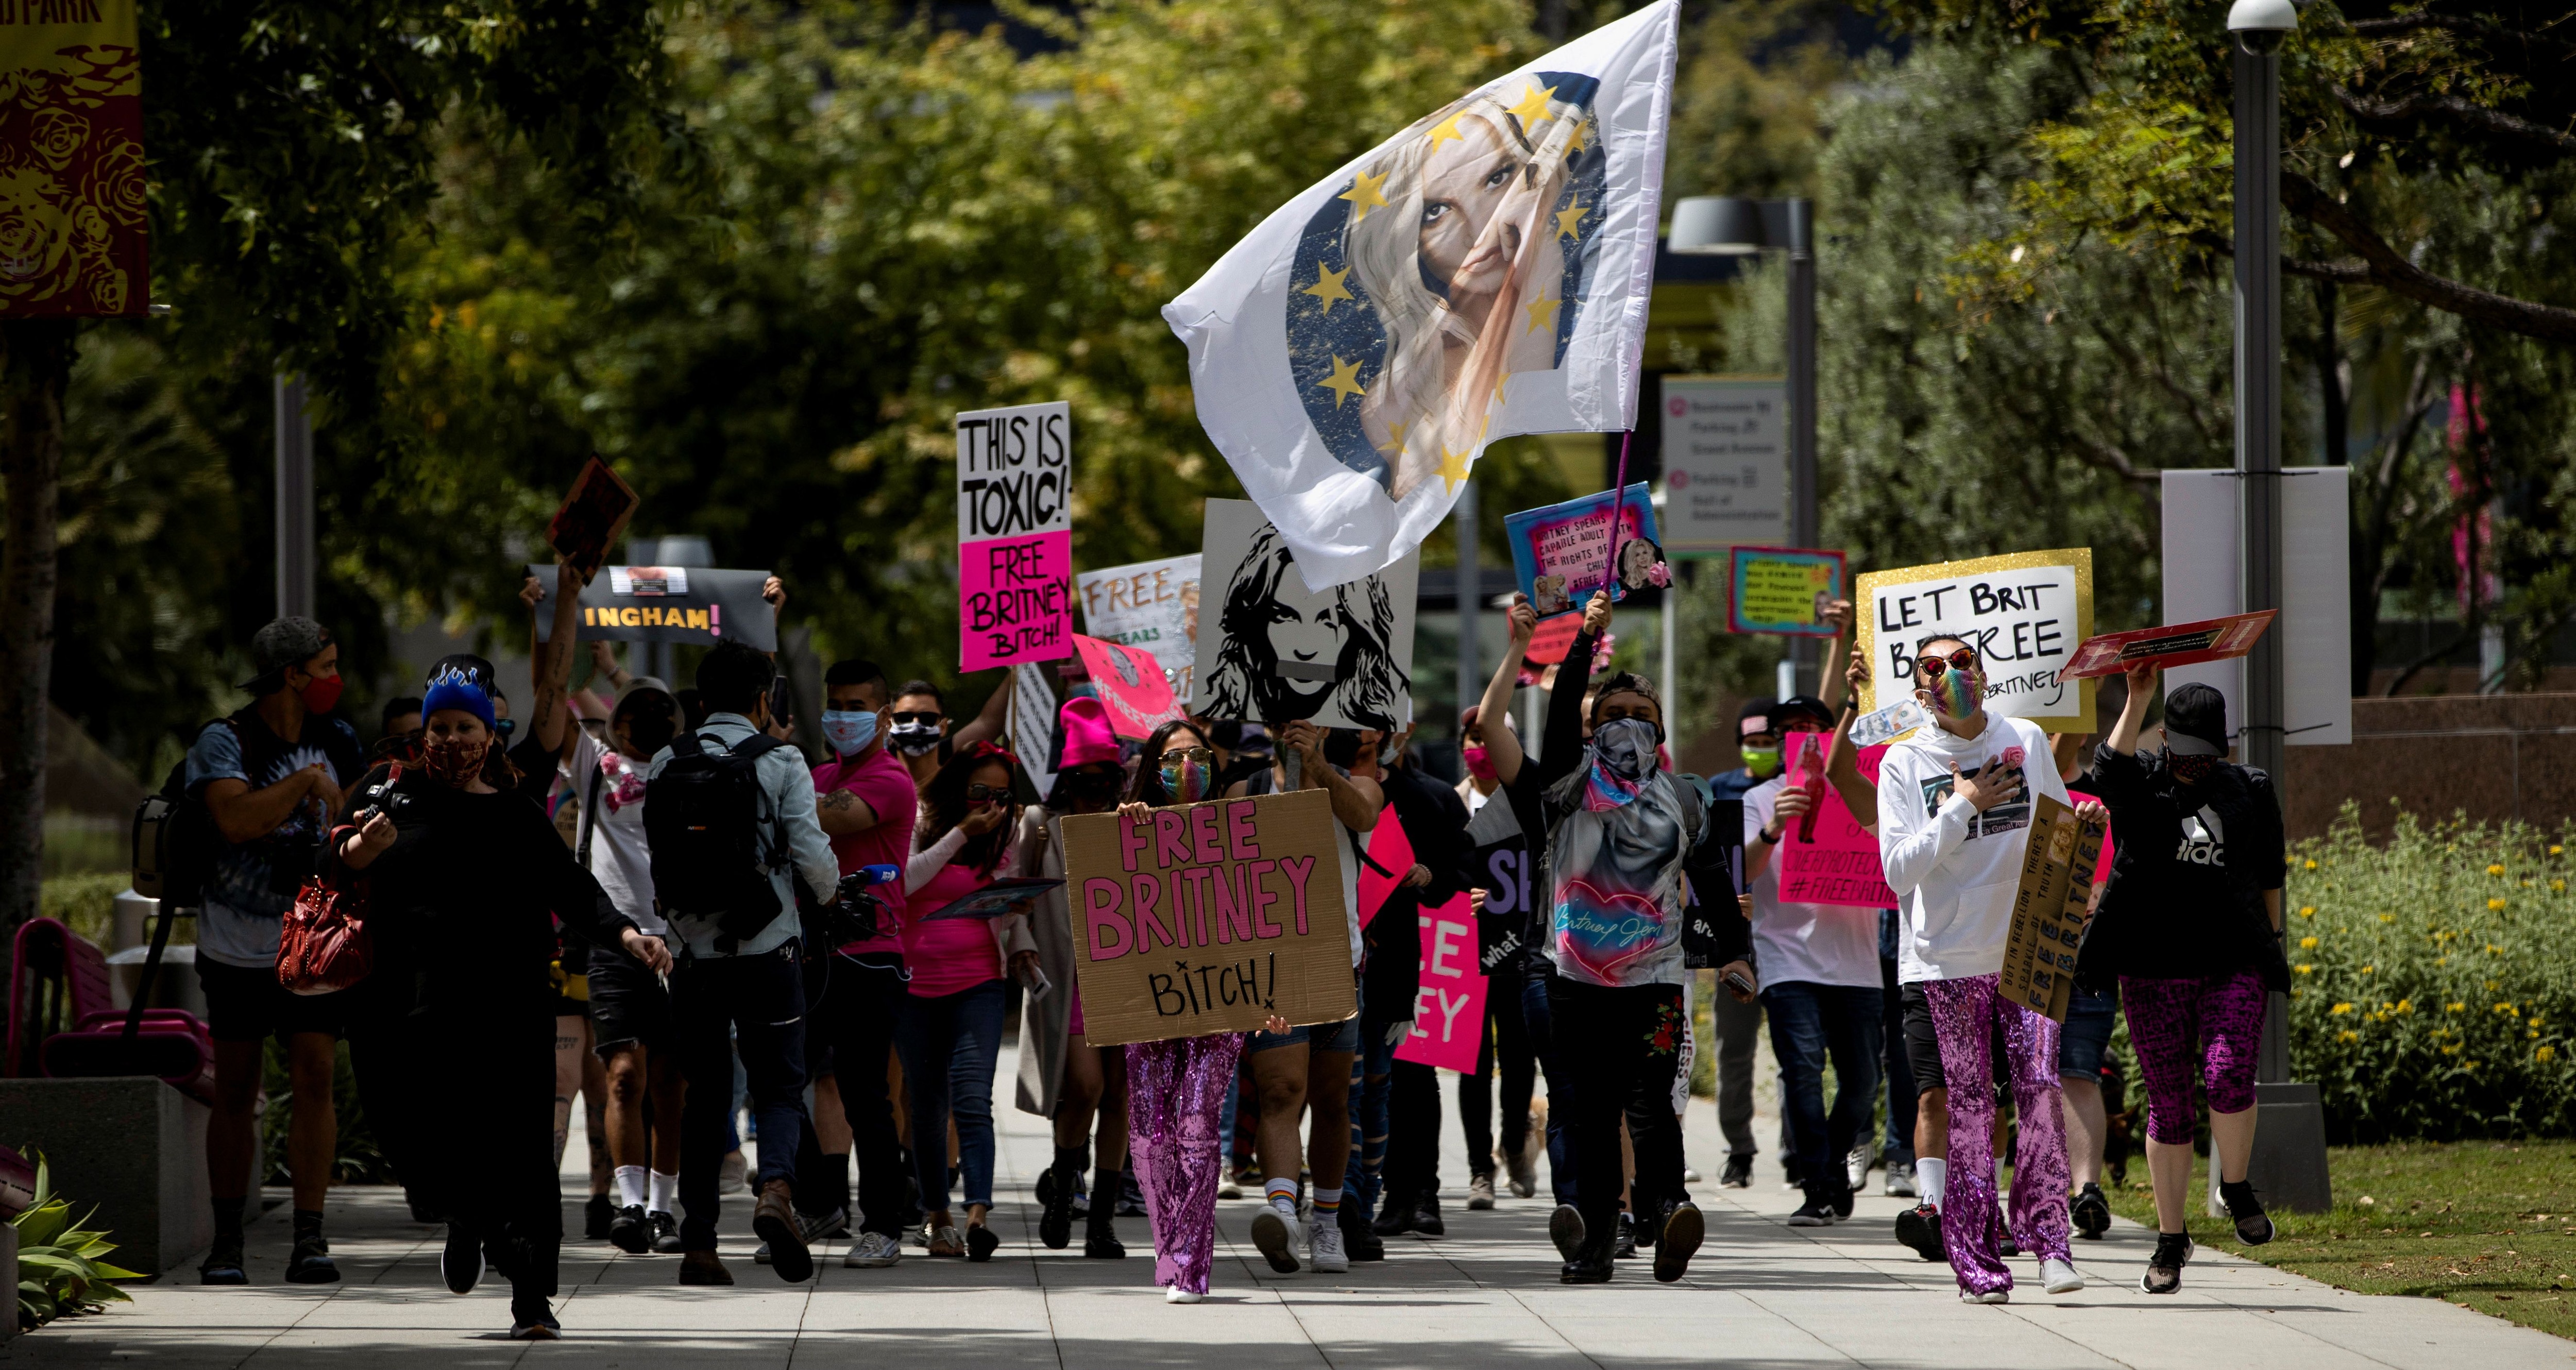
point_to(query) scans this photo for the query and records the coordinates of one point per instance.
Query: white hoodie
(1957, 869)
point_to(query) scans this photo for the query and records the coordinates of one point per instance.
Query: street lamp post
(1733, 226)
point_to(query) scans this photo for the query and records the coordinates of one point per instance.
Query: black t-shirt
(2186, 891)
(460, 903)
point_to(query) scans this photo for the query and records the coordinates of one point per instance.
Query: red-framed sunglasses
(1932, 664)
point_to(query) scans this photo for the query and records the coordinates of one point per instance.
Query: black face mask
(650, 731)
(2191, 770)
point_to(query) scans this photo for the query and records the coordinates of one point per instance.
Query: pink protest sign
(1825, 857)
(1131, 686)
(1388, 847)
(1449, 1012)
(1015, 600)
(2102, 866)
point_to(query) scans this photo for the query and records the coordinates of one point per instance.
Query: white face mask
(849, 730)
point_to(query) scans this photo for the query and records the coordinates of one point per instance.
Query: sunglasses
(927, 719)
(1933, 663)
(1173, 759)
(986, 794)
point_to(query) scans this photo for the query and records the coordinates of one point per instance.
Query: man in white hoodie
(1954, 821)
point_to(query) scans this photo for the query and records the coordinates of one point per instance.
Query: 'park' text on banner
(2024, 613)
(1014, 535)
(1209, 918)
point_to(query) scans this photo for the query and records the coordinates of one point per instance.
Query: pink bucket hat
(1087, 737)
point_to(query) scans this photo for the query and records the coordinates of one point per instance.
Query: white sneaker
(1324, 1241)
(1175, 1294)
(1900, 1181)
(1856, 1165)
(1230, 1189)
(1990, 1296)
(1689, 1176)
(2057, 1277)
(872, 1251)
(1274, 1233)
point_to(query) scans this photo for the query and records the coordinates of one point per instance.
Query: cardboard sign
(2178, 644)
(1699, 931)
(1152, 605)
(1130, 684)
(2048, 909)
(593, 517)
(695, 605)
(1449, 1008)
(1826, 857)
(1500, 866)
(1014, 535)
(2024, 613)
(1783, 590)
(1278, 652)
(1209, 918)
(1559, 552)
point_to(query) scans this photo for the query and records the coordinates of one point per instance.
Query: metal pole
(1672, 702)
(294, 499)
(1462, 516)
(1802, 400)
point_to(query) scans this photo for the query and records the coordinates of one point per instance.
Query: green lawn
(2486, 1225)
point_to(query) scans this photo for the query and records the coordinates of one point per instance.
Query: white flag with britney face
(1482, 274)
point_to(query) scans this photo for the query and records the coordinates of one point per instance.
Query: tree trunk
(35, 367)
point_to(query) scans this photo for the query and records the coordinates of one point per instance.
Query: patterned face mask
(1623, 755)
(2191, 770)
(1186, 774)
(1957, 693)
(452, 760)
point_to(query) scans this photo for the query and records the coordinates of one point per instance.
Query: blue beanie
(452, 687)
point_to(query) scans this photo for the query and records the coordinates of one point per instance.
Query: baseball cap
(289, 641)
(642, 684)
(1809, 705)
(1755, 716)
(2196, 721)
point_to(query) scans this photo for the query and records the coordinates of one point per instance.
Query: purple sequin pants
(1964, 1016)
(2207, 1025)
(1175, 1090)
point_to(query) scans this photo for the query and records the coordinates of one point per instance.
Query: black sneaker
(1683, 1230)
(425, 1207)
(1626, 1248)
(311, 1263)
(596, 1215)
(1358, 1241)
(630, 1231)
(223, 1265)
(1920, 1227)
(1842, 1203)
(2253, 1227)
(2091, 1212)
(1426, 1216)
(1813, 1213)
(460, 1262)
(1738, 1173)
(533, 1320)
(2164, 1269)
(1394, 1216)
(666, 1233)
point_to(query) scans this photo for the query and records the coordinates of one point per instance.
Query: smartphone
(1737, 981)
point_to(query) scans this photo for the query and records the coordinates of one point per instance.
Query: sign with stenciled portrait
(72, 210)
(1272, 651)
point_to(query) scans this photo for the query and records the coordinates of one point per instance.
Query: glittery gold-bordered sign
(2024, 612)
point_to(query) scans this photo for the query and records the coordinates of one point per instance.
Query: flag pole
(1618, 499)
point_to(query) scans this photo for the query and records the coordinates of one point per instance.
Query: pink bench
(63, 1021)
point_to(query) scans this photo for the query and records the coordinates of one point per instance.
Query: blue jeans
(1534, 1013)
(1370, 1069)
(948, 1045)
(760, 1000)
(1809, 1024)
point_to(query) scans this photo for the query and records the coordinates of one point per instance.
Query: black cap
(1803, 704)
(2196, 721)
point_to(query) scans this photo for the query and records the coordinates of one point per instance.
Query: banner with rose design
(71, 160)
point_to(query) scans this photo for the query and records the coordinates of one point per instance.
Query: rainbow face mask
(1957, 693)
(1185, 777)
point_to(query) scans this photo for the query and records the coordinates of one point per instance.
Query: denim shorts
(1341, 1036)
(2087, 1034)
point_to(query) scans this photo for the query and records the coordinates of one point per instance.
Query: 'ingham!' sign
(1014, 535)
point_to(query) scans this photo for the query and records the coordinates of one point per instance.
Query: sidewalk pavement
(1759, 1295)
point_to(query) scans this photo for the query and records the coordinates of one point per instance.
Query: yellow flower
(2495, 870)
(2305, 970)
(2368, 969)
(2312, 861)
(2307, 944)
(2535, 1033)
(2504, 1008)
(2452, 1050)
(2408, 1006)
(2347, 1036)
(2308, 911)
(2455, 1006)
(2468, 1065)
(2495, 906)
(2441, 960)
(2340, 1008)
(2553, 851)
(2494, 950)
(2559, 886)
(2388, 918)
(2544, 1052)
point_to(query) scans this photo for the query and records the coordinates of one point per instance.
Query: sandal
(945, 1241)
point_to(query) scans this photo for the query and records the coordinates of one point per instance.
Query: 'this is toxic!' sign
(1014, 535)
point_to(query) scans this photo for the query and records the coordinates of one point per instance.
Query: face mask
(2191, 770)
(453, 761)
(1089, 786)
(1762, 762)
(320, 693)
(1957, 694)
(913, 739)
(848, 730)
(648, 732)
(1478, 764)
(1184, 779)
(1626, 747)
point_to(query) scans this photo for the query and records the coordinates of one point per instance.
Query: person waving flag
(1482, 274)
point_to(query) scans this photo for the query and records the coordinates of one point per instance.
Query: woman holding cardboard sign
(1621, 834)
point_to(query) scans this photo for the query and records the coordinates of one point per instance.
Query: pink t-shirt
(949, 955)
(881, 783)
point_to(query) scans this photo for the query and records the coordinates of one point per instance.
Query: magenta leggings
(2210, 1025)
(1965, 1014)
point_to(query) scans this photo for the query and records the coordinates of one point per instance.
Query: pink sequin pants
(1175, 1090)
(1964, 1016)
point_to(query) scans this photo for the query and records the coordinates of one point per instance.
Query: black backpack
(702, 821)
(175, 838)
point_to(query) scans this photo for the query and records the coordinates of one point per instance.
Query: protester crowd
(653, 901)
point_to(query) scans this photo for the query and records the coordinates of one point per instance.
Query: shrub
(62, 1267)
(86, 902)
(2431, 994)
